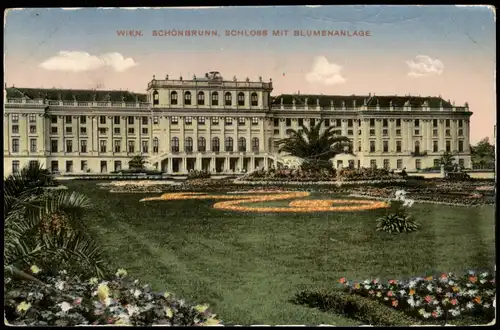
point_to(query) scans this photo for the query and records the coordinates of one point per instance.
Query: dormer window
(156, 98)
(201, 98)
(173, 98)
(255, 100)
(241, 99)
(187, 98)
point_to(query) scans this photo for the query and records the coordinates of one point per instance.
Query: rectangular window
(15, 166)
(201, 120)
(118, 145)
(398, 122)
(83, 146)
(131, 146)
(69, 166)
(117, 130)
(188, 120)
(301, 122)
(435, 146)
(215, 120)
(385, 123)
(32, 118)
(69, 130)
(130, 120)
(83, 130)
(102, 130)
(460, 132)
(350, 123)
(15, 145)
(372, 132)
(155, 120)
(131, 130)
(53, 119)
(386, 164)
(102, 120)
(54, 166)
(460, 123)
(15, 118)
(32, 145)
(32, 129)
(448, 146)
(434, 123)
(228, 121)
(116, 120)
(69, 146)
(68, 119)
(118, 165)
(144, 131)
(460, 146)
(241, 121)
(385, 132)
(399, 164)
(385, 145)
(434, 132)
(372, 146)
(83, 120)
(399, 146)
(312, 122)
(53, 130)
(145, 120)
(373, 163)
(145, 147)
(418, 164)
(15, 129)
(372, 122)
(174, 120)
(103, 145)
(447, 123)
(255, 121)
(416, 123)
(54, 146)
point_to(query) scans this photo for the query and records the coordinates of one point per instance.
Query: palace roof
(79, 95)
(371, 100)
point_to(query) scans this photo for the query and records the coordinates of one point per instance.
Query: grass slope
(248, 266)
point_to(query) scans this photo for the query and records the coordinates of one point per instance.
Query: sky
(446, 51)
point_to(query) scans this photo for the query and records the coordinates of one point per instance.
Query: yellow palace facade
(209, 123)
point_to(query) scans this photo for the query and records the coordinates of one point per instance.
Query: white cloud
(423, 65)
(82, 61)
(325, 72)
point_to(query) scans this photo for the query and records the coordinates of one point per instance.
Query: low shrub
(442, 298)
(64, 300)
(365, 310)
(195, 174)
(348, 174)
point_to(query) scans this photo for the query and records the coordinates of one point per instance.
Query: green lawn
(248, 265)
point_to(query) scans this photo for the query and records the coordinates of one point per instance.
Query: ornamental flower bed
(364, 174)
(69, 301)
(444, 297)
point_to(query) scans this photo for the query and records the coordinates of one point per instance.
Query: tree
(137, 163)
(43, 227)
(483, 154)
(313, 147)
(447, 159)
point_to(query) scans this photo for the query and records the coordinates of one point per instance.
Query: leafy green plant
(392, 223)
(44, 226)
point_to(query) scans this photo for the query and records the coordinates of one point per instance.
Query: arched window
(215, 144)
(241, 99)
(187, 98)
(229, 144)
(242, 144)
(175, 144)
(188, 147)
(202, 144)
(228, 98)
(201, 98)
(155, 145)
(270, 145)
(173, 98)
(255, 144)
(417, 147)
(254, 100)
(215, 98)
(156, 98)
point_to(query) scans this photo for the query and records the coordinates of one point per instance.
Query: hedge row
(366, 311)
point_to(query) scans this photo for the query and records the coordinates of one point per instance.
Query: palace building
(209, 123)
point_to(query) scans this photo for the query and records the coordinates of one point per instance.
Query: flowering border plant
(65, 300)
(445, 297)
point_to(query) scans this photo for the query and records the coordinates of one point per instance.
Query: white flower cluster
(400, 195)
